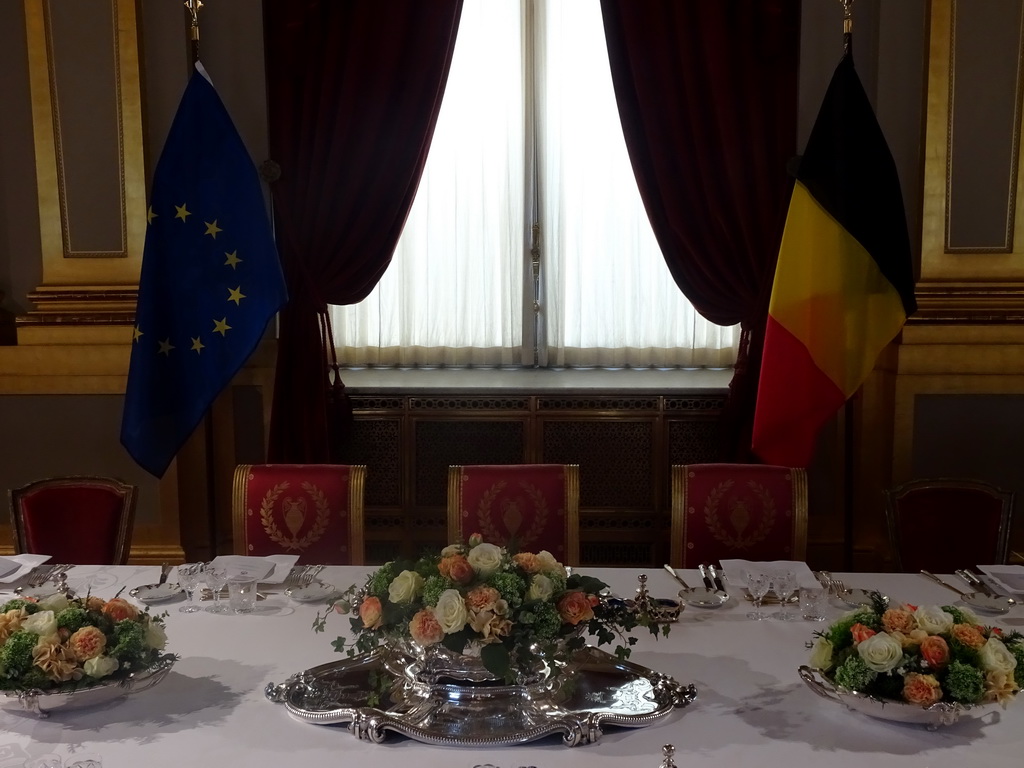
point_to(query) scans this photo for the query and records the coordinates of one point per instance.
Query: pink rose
(935, 651)
(371, 612)
(425, 628)
(861, 633)
(575, 607)
(921, 689)
(87, 643)
(456, 568)
(120, 609)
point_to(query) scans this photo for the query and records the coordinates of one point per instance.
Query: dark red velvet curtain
(707, 93)
(353, 92)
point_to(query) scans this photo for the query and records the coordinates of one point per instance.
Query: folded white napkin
(1009, 577)
(736, 570)
(19, 566)
(272, 569)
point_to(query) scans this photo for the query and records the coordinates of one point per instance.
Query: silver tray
(41, 703)
(938, 714)
(594, 690)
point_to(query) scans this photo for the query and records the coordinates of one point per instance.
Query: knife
(717, 578)
(165, 569)
(937, 580)
(974, 581)
(676, 576)
(707, 579)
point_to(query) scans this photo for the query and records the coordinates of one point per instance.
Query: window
(528, 158)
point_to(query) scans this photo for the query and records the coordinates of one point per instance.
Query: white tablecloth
(751, 710)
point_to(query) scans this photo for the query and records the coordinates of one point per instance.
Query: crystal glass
(813, 603)
(758, 583)
(189, 577)
(785, 584)
(216, 579)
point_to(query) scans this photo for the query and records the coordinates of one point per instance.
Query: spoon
(976, 599)
(698, 596)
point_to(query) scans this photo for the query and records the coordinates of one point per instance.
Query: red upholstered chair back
(528, 507)
(312, 510)
(941, 525)
(81, 520)
(743, 511)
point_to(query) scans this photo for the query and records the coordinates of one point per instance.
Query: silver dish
(702, 597)
(592, 691)
(41, 703)
(855, 598)
(932, 717)
(156, 593)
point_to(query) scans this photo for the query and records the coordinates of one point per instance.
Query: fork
(310, 574)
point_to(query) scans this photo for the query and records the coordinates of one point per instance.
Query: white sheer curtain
(458, 290)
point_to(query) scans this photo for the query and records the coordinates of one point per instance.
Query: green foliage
(962, 653)
(129, 642)
(433, 586)
(511, 587)
(959, 617)
(381, 579)
(887, 686)
(839, 633)
(16, 655)
(964, 683)
(853, 674)
(1017, 649)
(72, 619)
(16, 603)
(541, 620)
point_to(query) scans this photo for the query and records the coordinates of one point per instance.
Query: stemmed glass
(758, 583)
(216, 579)
(189, 576)
(785, 585)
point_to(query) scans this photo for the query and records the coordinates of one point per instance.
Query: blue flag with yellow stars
(211, 279)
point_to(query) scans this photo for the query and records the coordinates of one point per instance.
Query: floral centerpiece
(920, 655)
(62, 644)
(515, 610)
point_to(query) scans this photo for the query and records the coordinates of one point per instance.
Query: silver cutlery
(702, 569)
(165, 571)
(716, 576)
(977, 583)
(676, 576)
(937, 580)
(310, 574)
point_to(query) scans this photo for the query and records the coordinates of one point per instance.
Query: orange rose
(120, 609)
(456, 568)
(425, 629)
(370, 611)
(898, 620)
(482, 599)
(527, 561)
(87, 643)
(575, 607)
(93, 603)
(861, 633)
(968, 634)
(921, 689)
(935, 651)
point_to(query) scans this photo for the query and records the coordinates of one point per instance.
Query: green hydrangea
(963, 653)
(381, 580)
(839, 633)
(16, 654)
(557, 581)
(541, 620)
(959, 616)
(72, 619)
(510, 586)
(16, 603)
(129, 641)
(1017, 649)
(854, 675)
(433, 586)
(964, 683)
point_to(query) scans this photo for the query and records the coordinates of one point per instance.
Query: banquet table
(752, 709)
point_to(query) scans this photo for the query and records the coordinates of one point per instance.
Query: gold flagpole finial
(847, 24)
(193, 6)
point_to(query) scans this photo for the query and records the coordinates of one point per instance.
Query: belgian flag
(844, 283)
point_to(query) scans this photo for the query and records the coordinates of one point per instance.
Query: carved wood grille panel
(377, 444)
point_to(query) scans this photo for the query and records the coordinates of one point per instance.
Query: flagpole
(193, 6)
(848, 419)
(847, 24)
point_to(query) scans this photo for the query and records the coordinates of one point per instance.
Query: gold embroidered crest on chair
(529, 507)
(312, 510)
(79, 519)
(743, 511)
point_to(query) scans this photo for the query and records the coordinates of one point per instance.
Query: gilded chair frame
(572, 509)
(892, 513)
(356, 510)
(126, 491)
(677, 553)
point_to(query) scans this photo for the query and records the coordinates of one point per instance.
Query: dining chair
(742, 511)
(77, 519)
(943, 524)
(312, 510)
(525, 507)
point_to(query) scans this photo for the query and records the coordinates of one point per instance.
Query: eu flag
(211, 279)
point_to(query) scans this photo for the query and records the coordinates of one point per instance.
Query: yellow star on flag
(197, 345)
(232, 259)
(150, 215)
(165, 347)
(236, 295)
(182, 212)
(212, 229)
(221, 327)
(136, 334)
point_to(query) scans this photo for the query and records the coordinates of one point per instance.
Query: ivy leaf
(495, 658)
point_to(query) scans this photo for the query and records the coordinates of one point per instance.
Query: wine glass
(758, 583)
(216, 579)
(785, 584)
(189, 576)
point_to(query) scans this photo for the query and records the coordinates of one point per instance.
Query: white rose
(485, 558)
(453, 549)
(156, 636)
(55, 602)
(933, 620)
(101, 666)
(821, 654)
(450, 611)
(405, 587)
(971, 616)
(548, 563)
(995, 657)
(541, 588)
(881, 652)
(41, 623)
